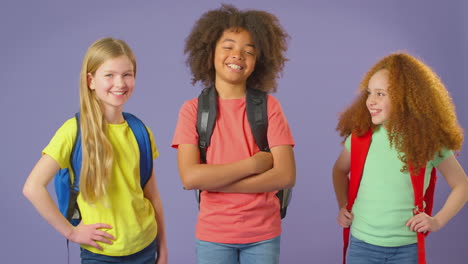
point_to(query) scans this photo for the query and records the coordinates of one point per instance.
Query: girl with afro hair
(407, 115)
(239, 220)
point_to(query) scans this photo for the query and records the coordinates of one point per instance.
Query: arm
(36, 192)
(341, 183)
(213, 176)
(281, 176)
(458, 182)
(151, 193)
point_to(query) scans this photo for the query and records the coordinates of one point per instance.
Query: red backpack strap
(359, 149)
(417, 179)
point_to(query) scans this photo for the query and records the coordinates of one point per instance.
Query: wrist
(69, 233)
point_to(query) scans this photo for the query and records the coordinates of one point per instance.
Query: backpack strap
(417, 180)
(144, 144)
(359, 149)
(73, 212)
(257, 114)
(206, 118)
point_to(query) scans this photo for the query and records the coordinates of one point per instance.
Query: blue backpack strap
(144, 144)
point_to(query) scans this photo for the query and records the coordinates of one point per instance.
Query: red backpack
(359, 149)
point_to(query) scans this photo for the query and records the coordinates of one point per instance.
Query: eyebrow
(231, 40)
(377, 89)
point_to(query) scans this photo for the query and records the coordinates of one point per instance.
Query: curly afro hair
(422, 120)
(266, 32)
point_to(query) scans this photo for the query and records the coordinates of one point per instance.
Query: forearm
(340, 184)
(40, 198)
(269, 181)
(159, 214)
(455, 202)
(215, 176)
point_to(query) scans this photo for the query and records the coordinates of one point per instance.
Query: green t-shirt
(385, 199)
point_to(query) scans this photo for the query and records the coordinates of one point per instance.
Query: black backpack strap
(206, 118)
(257, 114)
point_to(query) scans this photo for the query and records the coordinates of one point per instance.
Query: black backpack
(256, 104)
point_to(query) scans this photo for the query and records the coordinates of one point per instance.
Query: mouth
(234, 66)
(374, 112)
(118, 92)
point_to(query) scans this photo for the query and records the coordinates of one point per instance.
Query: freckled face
(234, 57)
(378, 100)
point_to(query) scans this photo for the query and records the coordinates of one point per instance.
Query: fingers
(101, 225)
(104, 234)
(419, 223)
(95, 245)
(101, 239)
(345, 218)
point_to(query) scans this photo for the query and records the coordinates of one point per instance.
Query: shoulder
(272, 100)
(191, 104)
(68, 128)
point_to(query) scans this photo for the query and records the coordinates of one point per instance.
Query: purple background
(332, 45)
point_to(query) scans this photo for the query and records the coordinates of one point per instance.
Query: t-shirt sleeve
(347, 143)
(61, 144)
(154, 148)
(441, 156)
(186, 128)
(279, 132)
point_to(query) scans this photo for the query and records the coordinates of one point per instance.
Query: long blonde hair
(422, 121)
(97, 150)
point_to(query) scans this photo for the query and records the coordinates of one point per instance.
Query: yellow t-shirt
(124, 208)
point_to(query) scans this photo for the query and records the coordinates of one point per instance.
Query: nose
(118, 82)
(371, 100)
(236, 54)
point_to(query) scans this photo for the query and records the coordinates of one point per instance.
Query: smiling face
(234, 57)
(378, 100)
(113, 82)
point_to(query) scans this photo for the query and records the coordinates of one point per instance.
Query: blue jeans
(262, 252)
(360, 252)
(145, 256)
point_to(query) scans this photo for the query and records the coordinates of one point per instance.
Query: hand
(345, 217)
(263, 161)
(162, 257)
(422, 223)
(90, 234)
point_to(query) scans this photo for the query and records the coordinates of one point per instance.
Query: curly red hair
(422, 119)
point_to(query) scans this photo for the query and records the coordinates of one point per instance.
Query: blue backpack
(67, 189)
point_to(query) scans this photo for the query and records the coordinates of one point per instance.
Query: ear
(91, 84)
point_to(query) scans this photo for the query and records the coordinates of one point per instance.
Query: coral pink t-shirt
(235, 218)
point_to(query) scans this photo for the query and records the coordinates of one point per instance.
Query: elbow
(188, 181)
(289, 180)
(27, 191)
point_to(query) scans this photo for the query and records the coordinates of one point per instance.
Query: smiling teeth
(118, 93)
(234, 66)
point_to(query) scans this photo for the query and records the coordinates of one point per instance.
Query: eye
(381, 94)
(109, 75)
(227, 48)
(128, 75)
(251, 53)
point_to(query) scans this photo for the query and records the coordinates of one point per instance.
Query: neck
(230, 91)
(113, 116)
